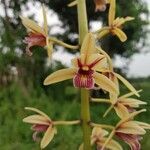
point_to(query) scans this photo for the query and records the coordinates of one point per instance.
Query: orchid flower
(85, 69)
(124, 105)
(100, 5)
(37, 36)
(115, 25)
(98, 138)
(130, 131)
(41, 123)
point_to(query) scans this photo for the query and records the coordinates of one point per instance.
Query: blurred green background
(21, 77)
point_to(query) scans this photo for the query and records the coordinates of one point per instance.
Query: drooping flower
(115, 25)
(124, 105)
(84, 70)
(37, 36)
(100, 5)
(41, 123)
(130, 131)
(99, 138)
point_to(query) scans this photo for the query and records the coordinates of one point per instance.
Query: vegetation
(16, 135)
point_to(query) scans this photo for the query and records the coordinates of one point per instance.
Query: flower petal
(128, 85)
(36, 119)
(129, 94)
(88, 47)
(107, 56)
(121, 111)
(112, 11)
(48, 136)
(121, 35)
(81, 147)
(49, 47)
(73, 3)
(143, 124)
(83, 81)
(131, 127)
(31, 25)
(131, 140)
(112, 144)
(45, 20)
(60, 75)
(103, 33)
(37, 111)
(132, 102)
(105, 83)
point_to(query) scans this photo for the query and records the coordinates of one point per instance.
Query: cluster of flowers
(92, 67)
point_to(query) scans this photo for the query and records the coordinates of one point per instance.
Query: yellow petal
(112, 11)
(36, 119)
(131, 116)
(37, 111)
(60, 75)
(103, 33)
(121, 111)
(112, 145)
(45, 20)
(143, 124)
(105, 83)
(74, 3)
(74, 62)
(127, 84)
(49, 47)
(131, 127)
(107, 56)
(121, 35)
(31, 25)
(120, 21)
(81, 147)
(88, 46)
(132, 102)
(129, 94)
(48, 136)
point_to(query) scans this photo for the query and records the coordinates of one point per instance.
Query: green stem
(85, 116)
(85, 108)
(82, 20)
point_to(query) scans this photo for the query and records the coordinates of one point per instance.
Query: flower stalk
(54, 40)
(74, 122)
(102, 126)
(85, 107)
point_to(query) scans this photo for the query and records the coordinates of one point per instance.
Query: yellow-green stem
(85, 108)
(85, 118)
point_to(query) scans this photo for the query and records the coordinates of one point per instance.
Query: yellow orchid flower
(115, 25)
(130, 131)
(124, 105)
(84, 70)
(37, 36)
(98, 138)
(100, 5)
(41, 123)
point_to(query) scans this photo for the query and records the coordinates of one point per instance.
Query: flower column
(85, 108)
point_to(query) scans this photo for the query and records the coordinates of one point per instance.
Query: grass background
(16, 135)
